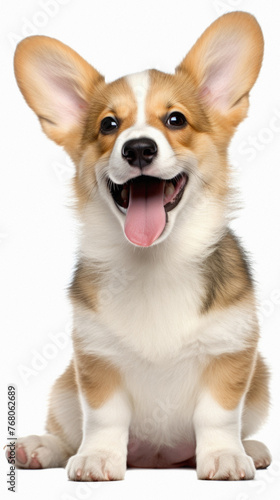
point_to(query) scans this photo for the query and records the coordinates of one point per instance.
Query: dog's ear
(225, 62)
(57, 84)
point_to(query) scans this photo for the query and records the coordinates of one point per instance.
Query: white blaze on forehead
(139, 83)
(165, 164)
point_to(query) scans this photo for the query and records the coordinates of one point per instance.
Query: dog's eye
(109, 125)
(176, 120)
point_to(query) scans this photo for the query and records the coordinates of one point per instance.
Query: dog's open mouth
(145, 201)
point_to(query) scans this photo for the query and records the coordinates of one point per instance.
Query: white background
(37, 230)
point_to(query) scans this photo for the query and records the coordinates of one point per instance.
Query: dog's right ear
(57, 84)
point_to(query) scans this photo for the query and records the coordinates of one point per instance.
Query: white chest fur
(152, 309)
(148, 323)
(149, 307)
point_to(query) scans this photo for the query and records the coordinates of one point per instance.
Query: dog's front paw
(100, 465)
(225, 465)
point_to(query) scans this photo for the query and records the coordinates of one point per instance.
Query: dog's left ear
(225, 62)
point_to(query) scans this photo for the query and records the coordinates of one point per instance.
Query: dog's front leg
(217, 420)
(106, 417)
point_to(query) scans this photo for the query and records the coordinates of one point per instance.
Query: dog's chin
(147, 206)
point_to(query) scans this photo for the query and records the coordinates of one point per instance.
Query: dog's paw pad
(34, 462)
(33, 452)
(21, 456)
(28, 451)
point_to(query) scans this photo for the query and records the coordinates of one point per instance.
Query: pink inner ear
(63, 95)
(219, 85)
(67, 104)
(217, 89)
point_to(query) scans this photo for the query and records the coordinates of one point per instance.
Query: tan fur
(97, 378)
(227, 276)
(168, 92)
(258, 394)
(82, 290)
(66, 382)
(228, 376)
(257, 400)
(115, 99)
(53, 426)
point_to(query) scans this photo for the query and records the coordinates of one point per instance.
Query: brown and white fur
(166, 370)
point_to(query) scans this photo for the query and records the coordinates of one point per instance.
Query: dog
(166, 370)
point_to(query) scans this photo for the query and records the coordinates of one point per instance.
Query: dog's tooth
(124, 194)
(169, 190)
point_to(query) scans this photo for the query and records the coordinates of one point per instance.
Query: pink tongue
(145, 218)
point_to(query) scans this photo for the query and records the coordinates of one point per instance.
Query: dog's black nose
(139, 152)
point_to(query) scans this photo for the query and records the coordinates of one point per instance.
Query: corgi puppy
(166, 370)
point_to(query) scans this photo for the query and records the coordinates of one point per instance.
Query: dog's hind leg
(64, 429)
(258, 452)
(255, 413)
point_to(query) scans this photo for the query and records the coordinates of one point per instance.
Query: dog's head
(150, 148)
